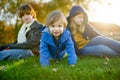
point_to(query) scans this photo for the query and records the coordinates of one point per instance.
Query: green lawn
(87, 68)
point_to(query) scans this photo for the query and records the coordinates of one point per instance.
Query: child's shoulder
(45, 30)
(66, 31)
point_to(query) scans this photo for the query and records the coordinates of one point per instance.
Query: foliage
(9, 35)
(87, 68)
(2, 26)
(6, 33)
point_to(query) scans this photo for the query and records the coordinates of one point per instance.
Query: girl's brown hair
(54, 16)
(26, 9)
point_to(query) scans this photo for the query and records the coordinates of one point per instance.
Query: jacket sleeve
(44, 53)
(72, 58)
(32, 41)
(91, 32)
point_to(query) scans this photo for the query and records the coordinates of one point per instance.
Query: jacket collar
(47, 37)
(33, 24)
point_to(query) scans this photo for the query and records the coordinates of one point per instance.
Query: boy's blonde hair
(26, 9)
(54, 16)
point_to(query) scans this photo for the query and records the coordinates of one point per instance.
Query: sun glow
(107, 12)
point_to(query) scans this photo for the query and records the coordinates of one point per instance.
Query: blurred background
(104, 15)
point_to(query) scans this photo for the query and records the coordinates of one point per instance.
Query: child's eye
(59, 26)
(53, 26)
(80, 17)
(27, 13)
(21, 15)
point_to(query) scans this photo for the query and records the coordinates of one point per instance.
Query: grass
(87, 68)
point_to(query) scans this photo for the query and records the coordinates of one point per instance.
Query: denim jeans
(15, 54)
(101, 46)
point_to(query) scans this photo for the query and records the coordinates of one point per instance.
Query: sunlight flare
(108, 11)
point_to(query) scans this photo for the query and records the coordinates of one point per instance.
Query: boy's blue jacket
(48, 48)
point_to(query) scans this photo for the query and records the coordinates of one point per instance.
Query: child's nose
(56, 28)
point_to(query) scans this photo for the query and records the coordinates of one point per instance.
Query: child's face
(27, 18)
(78, 19)
(56, 29)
